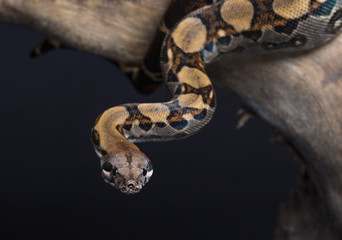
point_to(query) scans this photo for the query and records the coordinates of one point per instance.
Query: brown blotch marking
(253, 35)
(264, 17)
(180, 58)
(291, 9)
(207, 93)
(160, 124)
(129, 156)
(194, 82)
(95, 137)
(135, 115)
(176, 119)
(156, 111)
(213, 22)
(190, 35)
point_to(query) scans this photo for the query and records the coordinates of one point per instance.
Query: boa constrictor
(254, 26)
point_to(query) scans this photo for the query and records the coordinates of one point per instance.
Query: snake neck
(190, 109)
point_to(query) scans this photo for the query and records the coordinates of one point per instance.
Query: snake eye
(149, 166)
(144, 172)
(107, 166)
(114, 171)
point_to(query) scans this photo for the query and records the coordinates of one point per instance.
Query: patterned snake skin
(254, 26)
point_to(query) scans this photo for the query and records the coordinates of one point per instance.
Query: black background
(221, 183)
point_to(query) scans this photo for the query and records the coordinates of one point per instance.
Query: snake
(199, 38)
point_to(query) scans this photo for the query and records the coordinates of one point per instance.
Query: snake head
(127, 172)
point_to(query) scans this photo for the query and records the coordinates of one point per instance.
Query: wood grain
(117, 29)
(299, 95)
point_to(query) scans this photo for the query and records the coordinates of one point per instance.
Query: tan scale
(193, 77)
(238, 13)
(156, 111)
(190, 35)
(188, 116)
(169, 54)
(191, 100)
(291, 9)
(106, 127)
(221, 33)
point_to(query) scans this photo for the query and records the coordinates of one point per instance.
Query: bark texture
(116, 29)
(299, 95)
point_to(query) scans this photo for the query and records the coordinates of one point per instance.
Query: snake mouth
(130, 189)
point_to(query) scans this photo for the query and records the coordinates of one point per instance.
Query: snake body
(254, 26)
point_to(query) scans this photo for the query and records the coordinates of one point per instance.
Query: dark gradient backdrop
(219, 184)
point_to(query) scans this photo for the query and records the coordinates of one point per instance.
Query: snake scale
(223, 27)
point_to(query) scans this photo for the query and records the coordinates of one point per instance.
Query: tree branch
(120, 30)
(300, 95)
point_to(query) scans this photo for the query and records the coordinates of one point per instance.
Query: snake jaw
(130, 187)
(125, 181)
